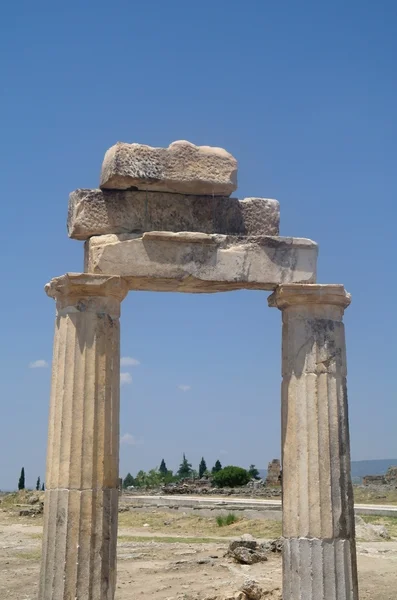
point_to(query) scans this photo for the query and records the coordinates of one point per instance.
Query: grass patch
(12, 499)
(363, 495)
(36, 536)
(168, 539)
(32, 555)
(389, 522)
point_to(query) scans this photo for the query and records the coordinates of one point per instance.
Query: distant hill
(360, 468)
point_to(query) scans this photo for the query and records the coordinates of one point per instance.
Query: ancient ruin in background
(273, 477)
(163, 220)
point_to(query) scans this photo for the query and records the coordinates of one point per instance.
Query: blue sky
(304, 95)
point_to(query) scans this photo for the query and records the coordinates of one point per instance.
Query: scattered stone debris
(273, 546)
(33, 499)
(246, 556)
(247, 551)
(252, 589)
(370, 533)
(32, 511)
(254, 488)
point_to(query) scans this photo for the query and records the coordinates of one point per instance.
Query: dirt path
(178, 571)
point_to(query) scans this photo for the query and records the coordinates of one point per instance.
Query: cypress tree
(217, 467)
(21, 482)
(202, 467)
(38, 484)
(185, 468)
(128, 480)
(163, 468)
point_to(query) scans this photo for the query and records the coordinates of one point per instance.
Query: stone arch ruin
(163, 220)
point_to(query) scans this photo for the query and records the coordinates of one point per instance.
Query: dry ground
(374, 495)
(180, 557)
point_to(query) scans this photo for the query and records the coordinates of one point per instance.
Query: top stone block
(182, 167)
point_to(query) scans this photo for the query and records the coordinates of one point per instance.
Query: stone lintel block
(182, 167)
(99, 212)
(198, 262)
(287, 295)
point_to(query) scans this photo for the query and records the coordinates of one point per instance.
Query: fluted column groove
(80, 515)
(319, 556)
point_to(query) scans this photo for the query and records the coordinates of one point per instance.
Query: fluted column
(319, 556)
(81, 498)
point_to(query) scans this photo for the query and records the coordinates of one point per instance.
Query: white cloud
(38, 364)
(130, 440)
(224, 452)
(125, 378)
(184, 388)
(128, 361)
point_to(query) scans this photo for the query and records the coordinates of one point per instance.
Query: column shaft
(319, 557)
(81, 501)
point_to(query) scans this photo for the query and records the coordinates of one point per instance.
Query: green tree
(202, 468)
(21, 482)
(38, 484)
(185, 468)
(43, 487)
(170, 477)
(154, 478)
(141, 479)
(217, 467)
(128, 480)
(253, 472)
(163, 468)
(231, 477)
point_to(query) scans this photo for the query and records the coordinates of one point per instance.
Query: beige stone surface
(197, 262)
(100, 212)
(182, 167)
(79, 545)
(80, 521)
(318, 514)
(316, 569)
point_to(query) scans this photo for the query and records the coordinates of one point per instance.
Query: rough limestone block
(198, 262)
(99, 212)
(182, 167)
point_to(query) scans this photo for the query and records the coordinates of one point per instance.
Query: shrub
(231, 518)
(220, 520)
(228, 520)
(231, 477)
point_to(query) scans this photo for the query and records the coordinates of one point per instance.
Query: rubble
(252, 589)
(273, 546)
(247, 551)
(370, 533)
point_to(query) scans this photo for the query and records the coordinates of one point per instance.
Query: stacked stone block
(273, 478)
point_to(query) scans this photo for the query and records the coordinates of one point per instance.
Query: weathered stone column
(81, 499)
(319, 556)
